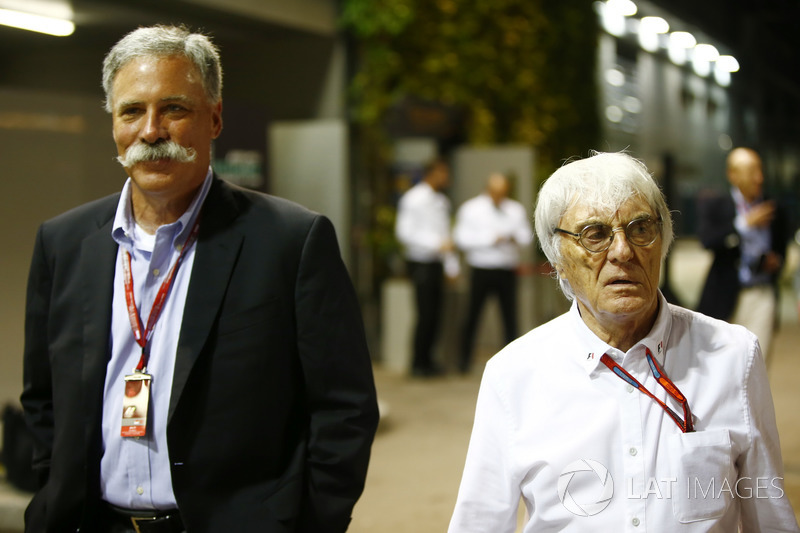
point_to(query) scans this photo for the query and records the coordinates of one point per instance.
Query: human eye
(640, 226)
(642, 231)
(129, 112)
(595, 234)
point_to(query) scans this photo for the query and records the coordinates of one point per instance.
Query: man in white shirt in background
(423, 228)
(491, 229)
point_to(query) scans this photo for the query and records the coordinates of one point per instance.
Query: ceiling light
(38, 23)
(706, 52)
(728, 63)
(613, 22)
(682, 39)
(653, 25)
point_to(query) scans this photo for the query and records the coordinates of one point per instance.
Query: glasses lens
(642, 232)
(596, 237)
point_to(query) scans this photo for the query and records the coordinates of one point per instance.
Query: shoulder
(471, 205)
(515, 207)
(686, 320)
(714, 199)
(537, 352)
(256, 208)
(81, 219)
(712, 341)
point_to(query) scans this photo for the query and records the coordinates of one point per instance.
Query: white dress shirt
(491, 235)
(135, 472)
(554, 424)
(423, 223)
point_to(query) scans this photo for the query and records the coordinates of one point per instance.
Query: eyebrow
(592, 221)
(166, 99)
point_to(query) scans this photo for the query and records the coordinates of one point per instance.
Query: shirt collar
(591, 348)
(739, 199)
(123, 231)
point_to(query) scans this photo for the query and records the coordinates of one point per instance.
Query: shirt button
(633, 451)
(156, 272)
(635, 522)
(629, 388)
(139, 491)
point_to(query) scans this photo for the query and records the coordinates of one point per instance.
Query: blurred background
(337, 104)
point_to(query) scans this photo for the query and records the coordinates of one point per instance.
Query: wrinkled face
(619, 284)
(157, 99)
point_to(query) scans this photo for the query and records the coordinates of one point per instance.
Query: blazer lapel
(97, 264)
(217, 249)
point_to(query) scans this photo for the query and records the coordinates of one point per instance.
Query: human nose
(152, 128)
(620, 249)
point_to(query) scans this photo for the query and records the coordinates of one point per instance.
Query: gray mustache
(152, 152)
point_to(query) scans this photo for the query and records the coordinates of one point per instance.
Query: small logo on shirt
(585, 487)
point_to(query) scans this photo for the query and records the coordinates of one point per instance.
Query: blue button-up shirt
(755, 242)
(135, 472)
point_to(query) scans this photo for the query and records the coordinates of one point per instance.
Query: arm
(523, 234)
(37, 392)
(765, 506)
(340, 392)
(488, 497)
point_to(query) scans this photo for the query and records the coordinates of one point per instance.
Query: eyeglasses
(598, 237)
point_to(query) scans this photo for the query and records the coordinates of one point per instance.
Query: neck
(151, 212)
(620, 332)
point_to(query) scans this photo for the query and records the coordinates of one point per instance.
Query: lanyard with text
(685, 423)
(136, 397)
(141, 335)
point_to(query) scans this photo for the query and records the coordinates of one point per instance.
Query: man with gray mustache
(195, 358)
(139, 153)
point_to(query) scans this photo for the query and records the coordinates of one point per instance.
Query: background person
(423, 228)
(748, 235)
(624, 389)
(236, 307)
(491, 229)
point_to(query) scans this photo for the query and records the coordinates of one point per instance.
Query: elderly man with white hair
(626, 413)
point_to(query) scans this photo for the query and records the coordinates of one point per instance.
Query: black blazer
(717, 233)
(273, 406)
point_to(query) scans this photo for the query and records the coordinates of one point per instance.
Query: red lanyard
(685, 423)
(143, 337)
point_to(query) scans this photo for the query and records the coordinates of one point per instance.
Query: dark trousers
(483, 283)
(428, 279)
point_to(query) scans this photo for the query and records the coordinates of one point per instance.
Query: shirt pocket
(702, 466)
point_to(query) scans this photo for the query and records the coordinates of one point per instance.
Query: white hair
(165, 41)
(604, 181)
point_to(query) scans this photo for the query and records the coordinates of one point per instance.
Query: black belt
(118, 520)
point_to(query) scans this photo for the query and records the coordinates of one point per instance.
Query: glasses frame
(624, 229)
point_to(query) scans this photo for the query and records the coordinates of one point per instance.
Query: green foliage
(523, 70)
